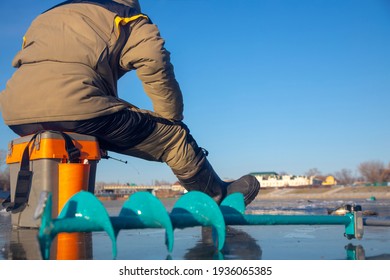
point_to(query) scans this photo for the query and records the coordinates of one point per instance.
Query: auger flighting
(85, 213)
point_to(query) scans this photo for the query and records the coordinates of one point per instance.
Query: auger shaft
(231, 219)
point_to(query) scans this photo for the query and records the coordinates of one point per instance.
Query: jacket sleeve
(145, 52)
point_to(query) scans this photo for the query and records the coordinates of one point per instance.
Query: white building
(274, 180)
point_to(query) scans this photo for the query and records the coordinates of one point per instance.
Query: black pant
(138, 133)
(115, 132)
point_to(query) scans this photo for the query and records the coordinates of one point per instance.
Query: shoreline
(307, 193)
(302, 193)
(326, 193)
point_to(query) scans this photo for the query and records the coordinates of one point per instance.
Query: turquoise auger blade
(45, 233)
(83, 212)
(143, 210)
(196, 208)
(233, 203)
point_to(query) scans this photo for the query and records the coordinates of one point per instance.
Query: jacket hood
(132, 3)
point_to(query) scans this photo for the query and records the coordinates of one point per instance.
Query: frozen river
(276, 242)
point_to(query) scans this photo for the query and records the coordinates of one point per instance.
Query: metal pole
(232, 219)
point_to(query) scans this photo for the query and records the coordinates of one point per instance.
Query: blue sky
(269, 85)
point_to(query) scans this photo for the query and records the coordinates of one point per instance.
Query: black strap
(23, 183)
(73, 152)
(24, 179)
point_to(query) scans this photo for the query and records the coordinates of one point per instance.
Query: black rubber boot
(248, 185)
(207, 181)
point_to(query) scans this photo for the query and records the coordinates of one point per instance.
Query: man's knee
(174, 145)
(184, 156)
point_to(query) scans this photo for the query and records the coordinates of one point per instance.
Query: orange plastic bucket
(69, 246)
(72, 178)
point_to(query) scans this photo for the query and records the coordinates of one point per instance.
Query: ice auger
(84, 212)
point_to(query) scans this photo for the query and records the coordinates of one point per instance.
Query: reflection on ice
(303, 232)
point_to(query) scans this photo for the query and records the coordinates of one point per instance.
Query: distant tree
(161, 182)
(345, 177)
(4, 172)
(313, 172)
(386, 174)
(2, 159)
(5, 180)
(374, 171)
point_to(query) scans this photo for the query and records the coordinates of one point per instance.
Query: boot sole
(251, 195)
(253, 189)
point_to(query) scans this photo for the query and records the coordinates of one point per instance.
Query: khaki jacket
(72, 58)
